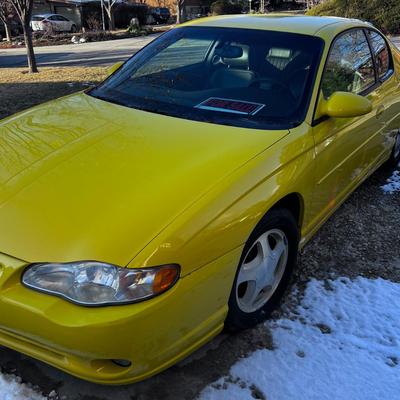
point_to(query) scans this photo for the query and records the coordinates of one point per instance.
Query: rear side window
(349, 67)
(381, 53)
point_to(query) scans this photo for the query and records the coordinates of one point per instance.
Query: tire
(73, 29)
(277, 230)
(394, 159)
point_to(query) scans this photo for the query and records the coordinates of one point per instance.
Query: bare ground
(361, 238)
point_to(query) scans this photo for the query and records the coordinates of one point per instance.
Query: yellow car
(139, 218)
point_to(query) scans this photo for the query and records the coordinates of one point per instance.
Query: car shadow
(29, 94)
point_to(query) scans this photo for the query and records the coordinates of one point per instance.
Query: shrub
(93, 23)
(221, 7)
(97, 36)
(384, 14)
(135, 30)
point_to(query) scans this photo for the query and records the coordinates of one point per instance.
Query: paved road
(89, 54)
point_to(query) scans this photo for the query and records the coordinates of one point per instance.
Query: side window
(381, 52)
(52, 18)
(349, 67)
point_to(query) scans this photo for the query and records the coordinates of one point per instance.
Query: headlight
(91, 283)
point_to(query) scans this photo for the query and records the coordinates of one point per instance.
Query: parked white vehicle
(56, 22)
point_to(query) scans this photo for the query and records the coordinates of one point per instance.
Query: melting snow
(392, 185)
(11, 388)
(342, 342)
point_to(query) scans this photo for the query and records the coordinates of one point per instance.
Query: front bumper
(82, 341)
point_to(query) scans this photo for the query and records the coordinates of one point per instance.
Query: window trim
(366, 91)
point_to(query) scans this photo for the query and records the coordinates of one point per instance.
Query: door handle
(379, 112)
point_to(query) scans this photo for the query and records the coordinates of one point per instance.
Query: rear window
(37, 18)
(239, 77)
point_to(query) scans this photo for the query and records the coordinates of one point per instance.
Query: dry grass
(20, 90)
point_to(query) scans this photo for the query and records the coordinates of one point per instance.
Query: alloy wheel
(262, 270)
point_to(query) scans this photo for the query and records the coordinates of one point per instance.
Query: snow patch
(342, 342)
(11, 388)
(393, 183)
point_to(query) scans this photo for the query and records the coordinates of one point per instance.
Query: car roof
(308, 25)
(44, 15)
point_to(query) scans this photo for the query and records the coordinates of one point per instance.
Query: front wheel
(264, 270)
(73, 29)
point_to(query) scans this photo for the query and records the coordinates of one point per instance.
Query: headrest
(236, 55)
(229, 51)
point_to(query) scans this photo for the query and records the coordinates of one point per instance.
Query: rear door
(66, 25)
(55, 24)
(341, 142)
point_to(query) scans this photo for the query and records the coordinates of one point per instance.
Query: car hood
(82, 179)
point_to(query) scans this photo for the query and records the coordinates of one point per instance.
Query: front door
(341, 142)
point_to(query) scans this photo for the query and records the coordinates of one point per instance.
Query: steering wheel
(216, 60)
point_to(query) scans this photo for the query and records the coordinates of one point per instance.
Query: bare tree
(5, 13)
(108, 6)
(23, 9)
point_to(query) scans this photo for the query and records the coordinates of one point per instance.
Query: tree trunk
(178, 14)
(8, 31)
(29, 48)
(181, 12)
(112, 21)
(110, 15)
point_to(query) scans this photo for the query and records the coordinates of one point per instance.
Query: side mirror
(114, 67)
(344, 105)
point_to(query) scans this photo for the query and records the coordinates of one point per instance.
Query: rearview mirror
(344, 105)
(114, 67)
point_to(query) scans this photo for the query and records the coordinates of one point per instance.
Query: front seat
(297, 72)
(233, 72)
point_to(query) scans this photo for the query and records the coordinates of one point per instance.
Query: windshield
(240, 77)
